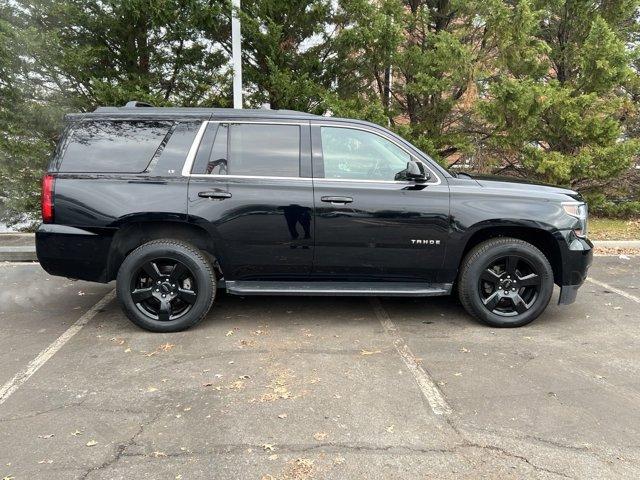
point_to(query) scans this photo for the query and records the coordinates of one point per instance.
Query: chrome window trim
(193, 150)
(191, 156)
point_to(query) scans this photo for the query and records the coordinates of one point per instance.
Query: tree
(25, 129)
(560, 117)
(287, 50)
(417, 59)
(73, 55)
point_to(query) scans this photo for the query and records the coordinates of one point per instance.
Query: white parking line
(614, 289)
(426, 384)
(19, 378)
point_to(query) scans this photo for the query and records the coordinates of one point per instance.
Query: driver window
(358, 155)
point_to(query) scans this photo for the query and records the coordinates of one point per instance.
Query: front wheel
(166, 286)
(505, 282)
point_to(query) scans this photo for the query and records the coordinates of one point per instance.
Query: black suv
(175, 203)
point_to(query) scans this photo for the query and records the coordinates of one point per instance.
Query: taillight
(48, 183)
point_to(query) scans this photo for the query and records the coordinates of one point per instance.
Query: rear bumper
(577, 258)
(73, 252)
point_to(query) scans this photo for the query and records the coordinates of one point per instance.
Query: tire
(158, 295)
(505, 282)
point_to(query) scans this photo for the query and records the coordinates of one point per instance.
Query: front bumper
(576, 260)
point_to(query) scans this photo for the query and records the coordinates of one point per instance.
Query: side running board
(390, 289)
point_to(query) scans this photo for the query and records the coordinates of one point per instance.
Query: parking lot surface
(302, 388)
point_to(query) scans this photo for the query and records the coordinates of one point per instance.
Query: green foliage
(285, 46)
(600, 205)
(560, 118)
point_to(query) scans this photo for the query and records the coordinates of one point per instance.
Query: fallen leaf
(91, 443)
(369, 352)
(237, 385)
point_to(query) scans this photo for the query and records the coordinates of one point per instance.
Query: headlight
(578, 210)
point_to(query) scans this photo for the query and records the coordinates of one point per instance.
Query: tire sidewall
(523, 250)
(187, 255)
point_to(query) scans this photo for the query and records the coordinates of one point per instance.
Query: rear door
(250, 187)
(370, 227)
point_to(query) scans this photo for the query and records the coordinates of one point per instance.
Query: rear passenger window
(211, 158)
(112, 146)
(264, 150)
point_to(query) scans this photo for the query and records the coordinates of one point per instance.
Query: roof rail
(136, 103)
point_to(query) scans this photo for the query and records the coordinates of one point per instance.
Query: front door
(370, 227)
(250, 187)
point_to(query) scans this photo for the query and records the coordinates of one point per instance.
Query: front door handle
(337, 200)
(211, 194)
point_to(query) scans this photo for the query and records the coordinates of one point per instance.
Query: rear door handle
(337, 200)
(211, 194)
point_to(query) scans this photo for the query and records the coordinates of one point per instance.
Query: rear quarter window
(112, 146)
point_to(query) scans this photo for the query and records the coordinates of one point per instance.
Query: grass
(613, 229)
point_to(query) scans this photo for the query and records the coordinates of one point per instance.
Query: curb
(17, 247)
(617, 243)
(18, 254)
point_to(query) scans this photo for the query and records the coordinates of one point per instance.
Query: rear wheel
(505, 282)
(166, 286)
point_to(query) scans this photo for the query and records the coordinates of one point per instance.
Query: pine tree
(559, 117)
(74, 55)
(416, 60)
(287, 49)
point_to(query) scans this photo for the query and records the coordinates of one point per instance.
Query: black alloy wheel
(166, 285)
(505, 282)
(509, 286)
(164, 289)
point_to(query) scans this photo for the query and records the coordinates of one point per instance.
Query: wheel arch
(135, 233)
(541, 238)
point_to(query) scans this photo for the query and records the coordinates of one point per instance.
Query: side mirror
(415, 171)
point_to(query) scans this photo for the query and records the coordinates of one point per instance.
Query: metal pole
(236, 48)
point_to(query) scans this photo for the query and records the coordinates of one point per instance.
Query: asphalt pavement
(315, 388)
